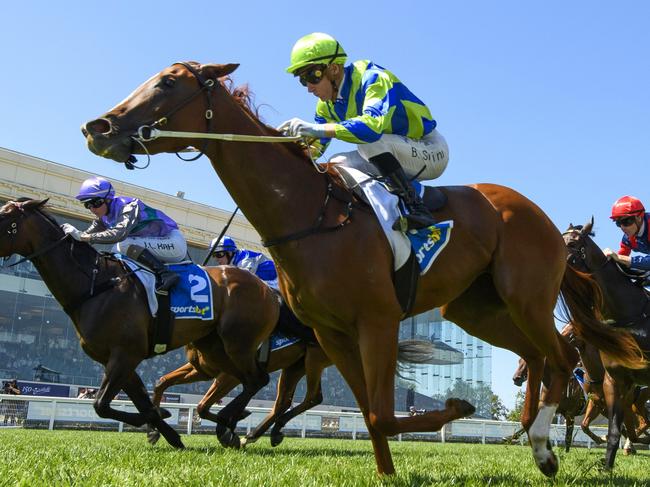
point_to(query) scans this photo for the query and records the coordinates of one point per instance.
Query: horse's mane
(245, 99)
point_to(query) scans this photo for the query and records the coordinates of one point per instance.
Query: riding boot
(418, 215)
(165, 279)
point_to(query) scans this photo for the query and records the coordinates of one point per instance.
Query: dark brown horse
(109, 309)
(498, 278)
(627, 306)
(573, 401)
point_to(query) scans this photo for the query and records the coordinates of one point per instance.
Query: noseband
(145, 132)
(12, 231)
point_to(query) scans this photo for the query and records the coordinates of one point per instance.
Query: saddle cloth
(191, 298)
(279, 340)
(426, 243)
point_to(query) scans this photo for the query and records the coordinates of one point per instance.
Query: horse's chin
(117, 150)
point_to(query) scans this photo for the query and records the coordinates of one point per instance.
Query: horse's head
(583, 253)
(18, 227)
(521, 374)
(169, 99)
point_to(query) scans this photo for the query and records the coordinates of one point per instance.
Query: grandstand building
(36, 335)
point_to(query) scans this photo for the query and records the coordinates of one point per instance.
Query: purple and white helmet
(96, 187)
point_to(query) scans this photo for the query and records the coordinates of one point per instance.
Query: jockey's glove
(71, 230)
(297, 127)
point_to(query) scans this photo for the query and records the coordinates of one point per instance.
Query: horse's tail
(413, 352)
(581, 302)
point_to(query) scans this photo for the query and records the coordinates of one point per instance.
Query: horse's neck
(623, 299)
(277, 191)
(61, 274)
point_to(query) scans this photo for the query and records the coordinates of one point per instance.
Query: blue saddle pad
(427, 243)
(191, 298)
(280, 340)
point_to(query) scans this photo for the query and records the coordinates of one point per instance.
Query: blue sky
(550, 98)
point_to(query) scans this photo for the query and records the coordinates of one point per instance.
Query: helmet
(316, 48)
(96, 187)
(626, 206)
(227, 244)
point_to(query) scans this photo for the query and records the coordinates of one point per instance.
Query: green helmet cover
(316, 48)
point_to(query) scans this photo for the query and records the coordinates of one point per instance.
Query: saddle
(433, 198)
(405, 278)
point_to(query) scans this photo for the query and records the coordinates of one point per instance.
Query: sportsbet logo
(192, 309)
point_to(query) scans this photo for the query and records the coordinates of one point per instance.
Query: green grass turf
(36, 457)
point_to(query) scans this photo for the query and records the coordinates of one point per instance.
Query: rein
(148, 133)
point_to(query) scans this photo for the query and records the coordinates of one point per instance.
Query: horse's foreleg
(344, 353)
(315, 362)
(568, 434)
(222, 385)
(287, 383)
(614, 400)
(591, 413)
(640, 411)
(185, 374)
(136, 391)
(116, 374)
(253, 378)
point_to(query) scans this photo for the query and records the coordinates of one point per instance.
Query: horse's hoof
(550, 465)
(225, 436)
(235, 443)
(629, 451)
(244, 414)
(153, 436)
(164, 413)
(175, 441)
(276, 438)
(460, 406)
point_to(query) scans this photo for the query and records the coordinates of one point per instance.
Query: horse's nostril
(97, 127)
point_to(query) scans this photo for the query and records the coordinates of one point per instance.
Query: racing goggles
(312, 75)
(94, 203)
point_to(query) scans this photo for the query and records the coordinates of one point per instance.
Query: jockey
(629, 214)
(138, 231)
(226, 252)
(367, 105)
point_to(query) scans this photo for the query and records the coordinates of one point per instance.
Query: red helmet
(627, 206)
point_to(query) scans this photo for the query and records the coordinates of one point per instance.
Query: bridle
(13, 229)
(145, 133)
(580, 254)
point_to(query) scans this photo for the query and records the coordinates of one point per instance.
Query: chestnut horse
(627, 306)
(108, 307)
(498, 278)
(296, 361)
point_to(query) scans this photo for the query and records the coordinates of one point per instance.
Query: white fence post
(52, 415)
(304, 426)
(190, 420)
(120, 427)
(354, 427)
(483, 433)
(443, 432)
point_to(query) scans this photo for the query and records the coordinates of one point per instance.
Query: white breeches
(430, 152)
(172, 248)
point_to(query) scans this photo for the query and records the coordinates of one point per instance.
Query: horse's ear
(30, 204)
(586, 230)
(218, 70)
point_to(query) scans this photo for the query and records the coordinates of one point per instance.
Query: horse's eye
(169, 82)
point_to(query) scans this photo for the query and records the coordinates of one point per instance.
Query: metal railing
(69, 413)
